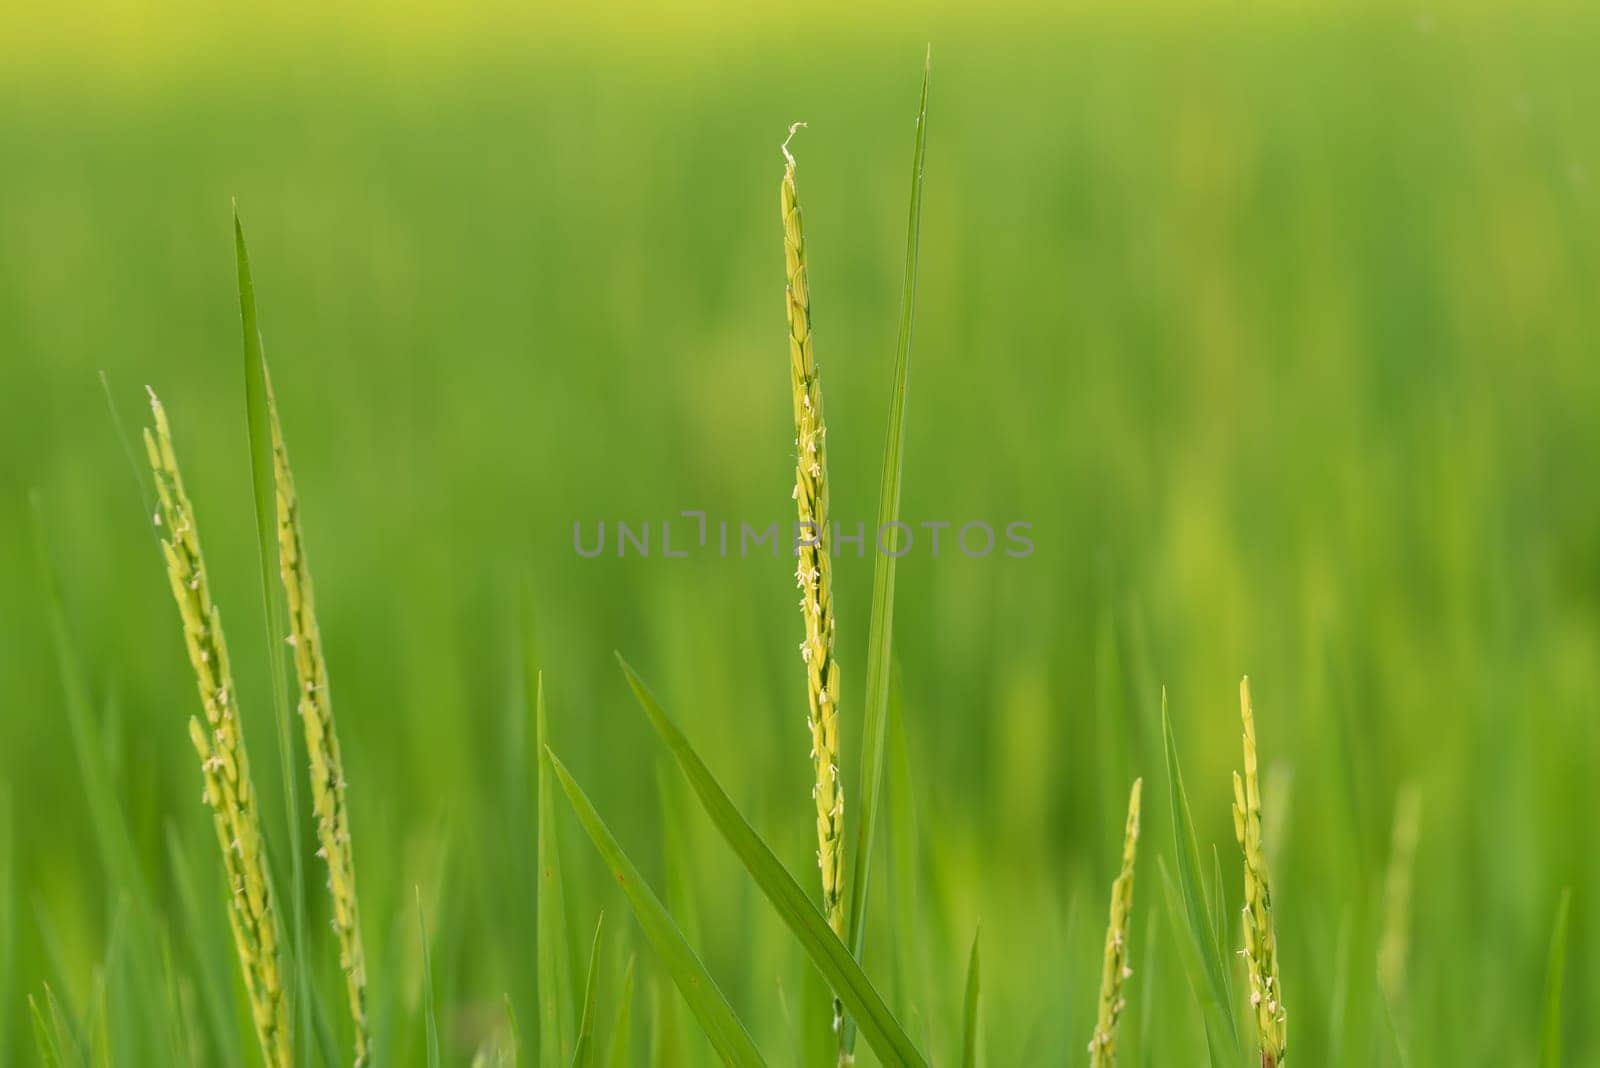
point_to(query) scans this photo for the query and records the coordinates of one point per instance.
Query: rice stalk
(315, 706)
(1260, 943)
(1115, 969)
(814, 572)
(223, 761)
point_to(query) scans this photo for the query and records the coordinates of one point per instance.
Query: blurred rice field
(1279, 326)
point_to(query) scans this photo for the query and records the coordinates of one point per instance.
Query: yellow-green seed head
(219, 741)
(1115, 969)
(1260, 941)
(315, 705)
(814, 570)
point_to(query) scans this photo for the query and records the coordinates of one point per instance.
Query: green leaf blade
(794, 906)
(1554, 981)
(621, 1055)
(880, 638)
(429, 1013)
(554, 958)
(1212, 990)
(258, 419)
(584, 1053)
(705, 999)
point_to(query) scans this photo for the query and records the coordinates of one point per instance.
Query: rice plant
(219, 741)
(1115, 969)
(1260, 939)
(314, 702)
(813, 547)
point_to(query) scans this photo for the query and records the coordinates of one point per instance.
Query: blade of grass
(969, 1030)
(63, 1007)
(880, 637)
(1213, 992)
(705, 999)
(1190, 956)
(1219, 914)
(583, 1054)
(1554, 980)
(429, 1015)
(621, 1054)
(259, 425)
(555, 960)
(850, 984)
(514, 1031)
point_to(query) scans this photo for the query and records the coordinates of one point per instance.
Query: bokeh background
(1278, 323)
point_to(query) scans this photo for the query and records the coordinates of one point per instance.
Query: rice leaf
(1213, 990)
(1194, 967)
(259, 424)
(850, 984)
(555, 960)
(429, 1015)
(705, 999)
(969, 1030)
(880, 636)
(621, 1054)
(583, 1055)
(1554, 979)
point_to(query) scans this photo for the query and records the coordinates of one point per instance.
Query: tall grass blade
(583, 1056)
(1196, 912)
(621, 1053)
(1554, 980)
(1191, 956)
(850, 984)
(259, 425)
(971, 1004)
(705, 999)
(880, 636)
(555, 960)
(430, 1017)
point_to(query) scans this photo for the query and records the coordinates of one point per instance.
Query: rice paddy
(1274, 328)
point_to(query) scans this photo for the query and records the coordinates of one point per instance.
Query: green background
(1279, 326)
